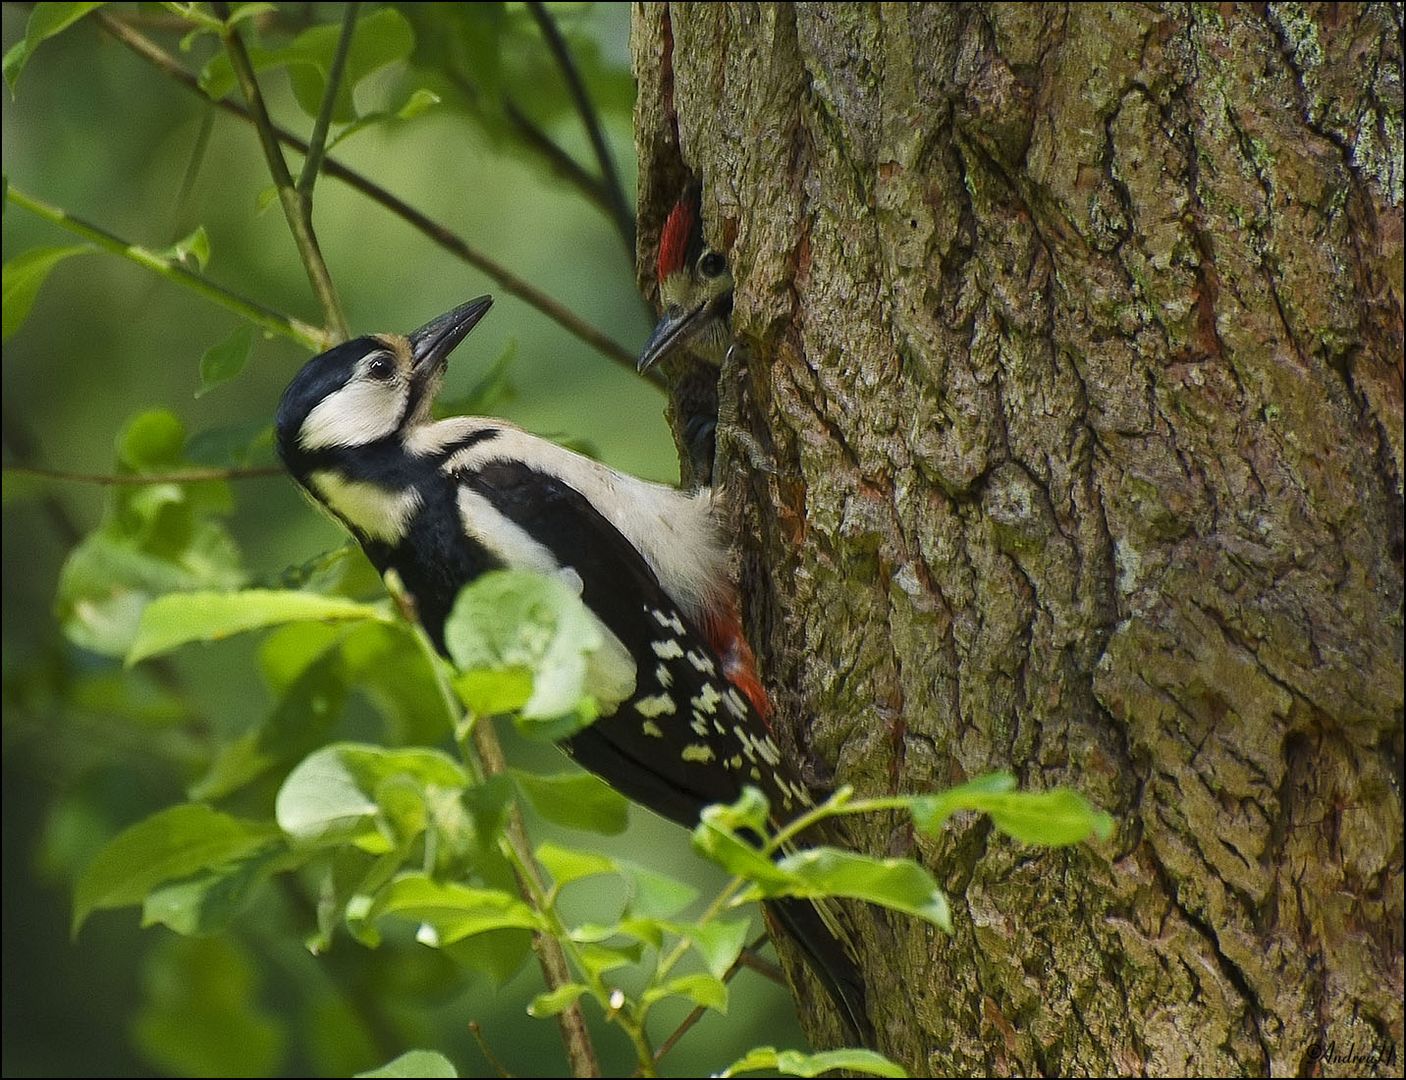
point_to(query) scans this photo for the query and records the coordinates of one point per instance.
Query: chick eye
(711, 264)
(381, 367)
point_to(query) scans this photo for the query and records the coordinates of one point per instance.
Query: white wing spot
(755, 773)
(702, 662)
(771, 754)
(668, 620)
(650, 728)
(701, 752)
(735, 762)
(657, 705)
(733, 700)
(667, 649)
(664, 675)
(699, 725)
(707, 699)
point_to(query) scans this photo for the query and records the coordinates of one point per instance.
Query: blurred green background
(101, 133)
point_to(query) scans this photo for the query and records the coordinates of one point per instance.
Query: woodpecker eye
(711, 264)
(380, 367)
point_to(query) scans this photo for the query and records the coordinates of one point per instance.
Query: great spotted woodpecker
(695, 290)
(693, 336)
(684, 715)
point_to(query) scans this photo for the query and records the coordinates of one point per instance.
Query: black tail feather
(831, 962)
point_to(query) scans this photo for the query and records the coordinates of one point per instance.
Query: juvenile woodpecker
(684, 715)
(695, 290)
(694, 334)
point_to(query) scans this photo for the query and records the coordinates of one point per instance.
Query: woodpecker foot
(733, 440)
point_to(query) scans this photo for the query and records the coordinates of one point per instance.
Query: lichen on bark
(1075, 335)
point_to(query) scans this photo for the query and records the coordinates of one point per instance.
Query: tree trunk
(1076, 343)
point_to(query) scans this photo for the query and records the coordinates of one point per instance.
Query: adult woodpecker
(684, 715)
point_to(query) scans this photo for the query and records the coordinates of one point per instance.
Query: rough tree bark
(1076, 340)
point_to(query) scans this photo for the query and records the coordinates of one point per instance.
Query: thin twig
(477, 1032)
(317, 144)
(435, 232)
(309, 337)
(580, 1050)
(558, 160)
(686, 1024)
(296, 208)
(765, 968)
(590, 119)
(184, 476)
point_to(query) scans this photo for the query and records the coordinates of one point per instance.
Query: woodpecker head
(370, 388)
(695, 287)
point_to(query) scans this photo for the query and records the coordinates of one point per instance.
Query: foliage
(347, 804)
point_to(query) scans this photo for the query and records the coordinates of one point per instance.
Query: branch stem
(431, 229)
(297, 209)
(184, 476)
(308, 336)
(317, 145)
(590, 120)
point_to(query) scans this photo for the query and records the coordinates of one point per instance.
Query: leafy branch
(296, 199)
(521, 645)
(438, 233)
(610, 180)
(165, 265)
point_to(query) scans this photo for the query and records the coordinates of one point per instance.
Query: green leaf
(599, 959)
(512, 620)
(449, 912)
(332, 796)
(413, 1063)
(720, 943)
(499, 954)
(308, 707)
(25, 274)
(577, 800)
(382, 37)
(555, 1001)
(494, 693)
(45, 21)
(208, 902)
(195, 247)
(655, 895)
(900, 884)
(222, 362)
(180, 618)
(794, 1063)
(1054, 818)
(567, 865)
(154, 538)
(171, 844)
(701, 988)
(413, 106)
(750, 813)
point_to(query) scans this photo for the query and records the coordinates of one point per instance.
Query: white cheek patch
(381, 513)
(359, 413)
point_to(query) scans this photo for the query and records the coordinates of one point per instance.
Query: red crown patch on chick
(674, 239)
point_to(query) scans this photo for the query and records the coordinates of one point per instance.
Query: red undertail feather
(723, 627)
(673, 241)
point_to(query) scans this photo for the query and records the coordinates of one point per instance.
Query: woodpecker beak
(674, 328)
(431, 345)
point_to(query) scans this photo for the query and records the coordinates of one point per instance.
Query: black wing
(686, 738)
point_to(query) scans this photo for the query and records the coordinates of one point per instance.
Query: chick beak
(431, 345)
(674, 328)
